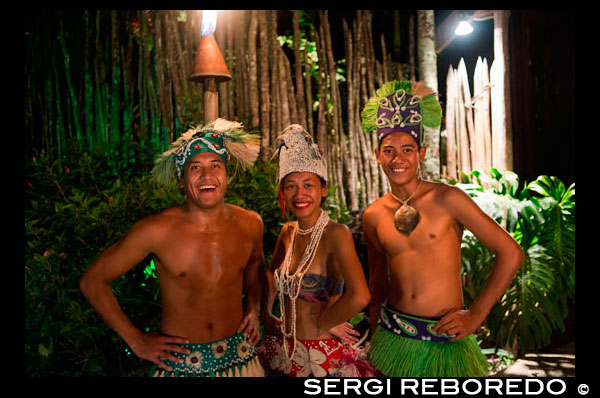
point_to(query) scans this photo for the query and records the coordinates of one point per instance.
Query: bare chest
(434, 233)
(201, 258)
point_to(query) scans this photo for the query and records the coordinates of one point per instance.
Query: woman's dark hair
(323, 198)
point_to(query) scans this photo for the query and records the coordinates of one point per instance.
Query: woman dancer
(314, 259)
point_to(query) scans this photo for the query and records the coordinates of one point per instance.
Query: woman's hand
(345, 332)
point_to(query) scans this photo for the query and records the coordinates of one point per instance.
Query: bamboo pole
(230, 49)
(300, 101)
(450, 124)
(308, 95)
(411, 47)
(487, 130)
(338, 126)
(252, 69)
(284, 92)
(478, 115)
(88, 114)
(276, 124)
(467, 117)
(384, 63)
(497, 126)
(263, 84)
(353, 161)
(173, 67)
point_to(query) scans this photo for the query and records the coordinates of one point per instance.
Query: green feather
(431, 111)
(164, 170)
(369, 112)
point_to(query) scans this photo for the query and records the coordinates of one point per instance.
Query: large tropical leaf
(557, 204)
(541, 219)
(530, 310)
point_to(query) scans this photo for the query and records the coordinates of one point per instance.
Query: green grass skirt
(397, 356)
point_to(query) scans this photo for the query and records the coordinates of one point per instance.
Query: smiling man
(206, 252)
(421, 327)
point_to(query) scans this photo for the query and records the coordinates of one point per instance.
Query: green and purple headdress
(226, 139)
(408, 107)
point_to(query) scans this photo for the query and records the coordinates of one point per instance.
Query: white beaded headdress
(299, 153)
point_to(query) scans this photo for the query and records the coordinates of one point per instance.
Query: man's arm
(95, 286)
(378, 277)
(508, 258)
(253, 282)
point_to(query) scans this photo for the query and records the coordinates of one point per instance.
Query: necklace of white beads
(289, 283)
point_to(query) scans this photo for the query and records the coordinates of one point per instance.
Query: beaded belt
(208, 359)
(410, 326)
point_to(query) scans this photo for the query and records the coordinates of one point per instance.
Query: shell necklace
(289, 283)
(406, 217)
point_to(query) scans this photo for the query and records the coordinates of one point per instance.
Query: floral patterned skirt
(234, 356)
(314, 358)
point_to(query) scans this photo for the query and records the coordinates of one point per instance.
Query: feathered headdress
(403, 106)
(223, 137)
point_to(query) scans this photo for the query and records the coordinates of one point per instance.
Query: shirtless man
(420, 325)
(207, 252)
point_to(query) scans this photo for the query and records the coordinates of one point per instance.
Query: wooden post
(211, 100)
(487, 132)
(467, 128)
(501, 111)
(263, 84)
(252, 69)
(450, 124)
(478, 110)
(300, 101)
(465, 142)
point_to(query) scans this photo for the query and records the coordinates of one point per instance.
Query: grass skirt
(397, 356)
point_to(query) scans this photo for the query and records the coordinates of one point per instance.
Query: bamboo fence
(474, 136)
(131, 86)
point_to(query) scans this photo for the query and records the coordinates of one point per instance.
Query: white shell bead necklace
(288, 283)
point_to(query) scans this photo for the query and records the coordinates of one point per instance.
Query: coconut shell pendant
(406, 219)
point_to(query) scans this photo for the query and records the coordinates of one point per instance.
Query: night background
(106, 91)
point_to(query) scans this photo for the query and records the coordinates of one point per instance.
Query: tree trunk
(502, 129)
(428, 74)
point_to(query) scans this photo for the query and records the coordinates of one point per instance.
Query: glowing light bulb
(463, 28)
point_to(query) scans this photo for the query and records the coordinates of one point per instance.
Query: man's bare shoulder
(153, 228)
(165, 217)
(447, 194)
(374, 210)
(245, 217)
